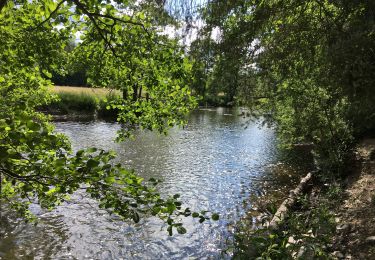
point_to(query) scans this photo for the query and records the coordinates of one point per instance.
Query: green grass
(75, 102)
(81, 99)
(96, 92)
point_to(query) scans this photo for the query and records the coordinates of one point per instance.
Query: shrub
(104, 110)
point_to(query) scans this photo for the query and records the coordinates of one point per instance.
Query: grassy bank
(93, 92)
(82, 99)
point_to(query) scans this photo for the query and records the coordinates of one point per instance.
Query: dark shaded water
(215, 163)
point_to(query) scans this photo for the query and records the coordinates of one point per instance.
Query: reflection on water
(214, 163)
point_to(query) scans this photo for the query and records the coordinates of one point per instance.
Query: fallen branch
(290, 201)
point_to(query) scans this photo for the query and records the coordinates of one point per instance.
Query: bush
(104, 110)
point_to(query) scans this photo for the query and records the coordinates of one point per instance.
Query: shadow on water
(21, 240)
(215, 163)
(270, 190)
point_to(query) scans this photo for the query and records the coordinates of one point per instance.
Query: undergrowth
(306, 232)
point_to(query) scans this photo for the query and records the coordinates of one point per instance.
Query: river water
(216, 162)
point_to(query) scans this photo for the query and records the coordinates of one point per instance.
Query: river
(216, 162)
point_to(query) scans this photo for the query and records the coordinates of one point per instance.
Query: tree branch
(92, 19)
(122, 21)
(51, 14)
(22, 178)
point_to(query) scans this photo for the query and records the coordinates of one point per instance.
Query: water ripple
(212, 162)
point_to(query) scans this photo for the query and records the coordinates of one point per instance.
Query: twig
(50, 15)
(100, 30)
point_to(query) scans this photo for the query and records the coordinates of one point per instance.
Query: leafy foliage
(305, 65)
(121, 51)
(304, 234)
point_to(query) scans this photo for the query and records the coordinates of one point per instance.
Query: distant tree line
(77, 78)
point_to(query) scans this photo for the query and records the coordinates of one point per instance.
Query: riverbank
(87, 102)
(355, 230)
(76, 101)
(333, 219)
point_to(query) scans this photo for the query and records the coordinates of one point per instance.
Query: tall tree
(312, 67)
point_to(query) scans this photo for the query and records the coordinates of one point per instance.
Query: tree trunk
(125, 94)
(140, 93)
(135, 93)
(290, 201)
(2, 4)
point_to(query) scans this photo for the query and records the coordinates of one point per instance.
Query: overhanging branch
(51, 14)
(83, 8)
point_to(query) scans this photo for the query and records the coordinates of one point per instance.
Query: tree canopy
(308, 66)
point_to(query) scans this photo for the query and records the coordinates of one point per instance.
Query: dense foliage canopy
(308, 66)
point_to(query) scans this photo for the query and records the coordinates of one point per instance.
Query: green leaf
(170, 231)
(181, 230)
(47, 73)
(92, 150)
(110, 179)
(215, 217)
(91, 163)
(80, 153)
(33, 126)
(135, 217)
